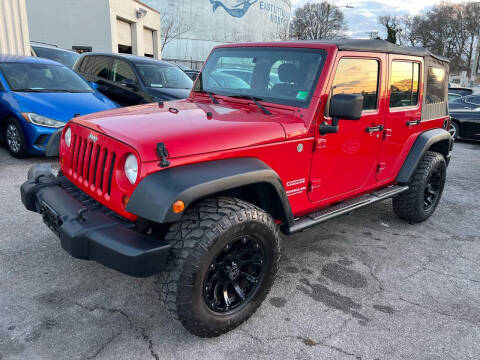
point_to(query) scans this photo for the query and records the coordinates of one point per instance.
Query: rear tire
(223, 261)
(454, 130)
(425, 189)
(15, 139)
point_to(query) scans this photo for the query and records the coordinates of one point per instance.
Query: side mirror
(129, 83)
(343, 106)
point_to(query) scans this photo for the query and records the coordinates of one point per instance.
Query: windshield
(67, 58)
(163, 76)
(283, 76)
(42, 78)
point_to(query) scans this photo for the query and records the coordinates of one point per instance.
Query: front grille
(92, 164)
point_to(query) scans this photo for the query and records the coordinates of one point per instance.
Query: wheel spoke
(258, 262)
(225, 296)
(239, 290)
(248, 277)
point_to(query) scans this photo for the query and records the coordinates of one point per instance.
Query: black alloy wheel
(234, 275)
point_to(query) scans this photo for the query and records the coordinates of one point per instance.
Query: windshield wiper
(255, 100)
(210, 95)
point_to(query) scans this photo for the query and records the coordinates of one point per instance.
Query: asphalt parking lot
(363, 286)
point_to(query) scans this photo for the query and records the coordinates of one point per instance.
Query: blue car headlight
(42, 120)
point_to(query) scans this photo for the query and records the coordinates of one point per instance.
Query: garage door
(124, 33)
(148, 42)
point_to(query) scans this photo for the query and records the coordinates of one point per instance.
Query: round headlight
(68, 137)
(131, 168)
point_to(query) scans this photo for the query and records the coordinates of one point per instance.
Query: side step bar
(344, 207)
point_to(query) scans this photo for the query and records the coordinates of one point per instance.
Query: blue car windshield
(33, 77)
(285, 76)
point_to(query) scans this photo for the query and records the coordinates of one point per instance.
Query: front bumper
(87, 230)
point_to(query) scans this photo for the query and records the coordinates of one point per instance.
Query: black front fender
(155, 194)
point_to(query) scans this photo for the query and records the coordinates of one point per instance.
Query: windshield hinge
(162, 153)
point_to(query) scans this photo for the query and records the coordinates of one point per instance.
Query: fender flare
(153, 197)
(437, 139)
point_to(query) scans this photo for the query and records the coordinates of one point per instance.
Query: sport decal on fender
(296, 191)
(296, 182)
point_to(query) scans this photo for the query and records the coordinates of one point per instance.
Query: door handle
(413, 122)
(373, 129)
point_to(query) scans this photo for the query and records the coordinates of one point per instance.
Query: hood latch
(162, 153)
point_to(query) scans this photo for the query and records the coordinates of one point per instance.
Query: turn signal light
(178, 206)
(125, 200)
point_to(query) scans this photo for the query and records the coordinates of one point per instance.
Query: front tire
(15, 139)
(224, 258)
(425, 189)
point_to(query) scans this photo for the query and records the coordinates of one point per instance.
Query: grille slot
(92, 164)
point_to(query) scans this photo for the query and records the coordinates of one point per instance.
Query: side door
(403, 112)
(343, 163)
(125, 85)
(100, 71)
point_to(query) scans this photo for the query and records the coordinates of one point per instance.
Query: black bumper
(94, 233)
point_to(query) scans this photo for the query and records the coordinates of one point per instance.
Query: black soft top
(381, 46)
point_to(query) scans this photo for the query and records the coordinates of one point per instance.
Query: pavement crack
(476, 323)
(141, 330)
(453, 275)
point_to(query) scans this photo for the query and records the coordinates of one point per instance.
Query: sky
(363, 17)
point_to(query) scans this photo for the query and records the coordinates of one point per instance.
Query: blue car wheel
(15, 139)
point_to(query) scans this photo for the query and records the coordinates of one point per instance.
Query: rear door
(344, 162)
(125, 96)
(403, 114)
(100, 69)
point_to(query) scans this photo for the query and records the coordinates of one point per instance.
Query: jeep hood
(186, 127)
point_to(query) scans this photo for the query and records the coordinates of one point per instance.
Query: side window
(358, 76)
(122, 70)
(404, 84)
(100, 67)
(436, 85)
(84, 64)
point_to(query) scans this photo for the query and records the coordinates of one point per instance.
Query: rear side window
(358, 76)
(84, 68)
(404, 84)
(101, 67)
(122, 70)
(436, 85)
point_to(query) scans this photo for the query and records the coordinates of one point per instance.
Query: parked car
(460, 90)
(205, 185)
(192, 74)
(38, 96)
(465, 124)
(465, 103)
(65, 57)
(132, 80)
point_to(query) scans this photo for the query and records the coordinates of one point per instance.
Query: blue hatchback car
(37, 97)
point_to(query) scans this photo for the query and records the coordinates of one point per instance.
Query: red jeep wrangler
(274, 137)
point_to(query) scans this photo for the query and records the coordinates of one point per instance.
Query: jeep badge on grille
(92, 137)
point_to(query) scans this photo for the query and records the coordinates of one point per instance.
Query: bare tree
(173, 27)
(392, 25)
(317, 21)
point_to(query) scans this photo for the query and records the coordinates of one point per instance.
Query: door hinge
(162, 153)
(314, 184)
(319, 144)
(380, 167)
(387, 133)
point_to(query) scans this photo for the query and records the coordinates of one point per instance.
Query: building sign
(238, 9)
(276, 14)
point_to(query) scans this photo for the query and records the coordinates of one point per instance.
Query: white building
(126, 26)
(14, 28)
(203, 24)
